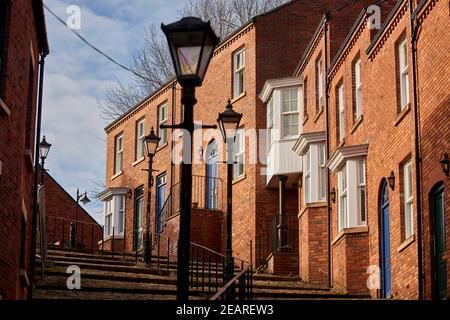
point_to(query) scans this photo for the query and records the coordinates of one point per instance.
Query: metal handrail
(232, 284)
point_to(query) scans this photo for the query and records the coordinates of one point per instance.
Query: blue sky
(76, 80)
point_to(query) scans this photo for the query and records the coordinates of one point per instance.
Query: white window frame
(319, 84)
(403, 74)
(341, 106)
(342, 190)
(292, 103)
(269, 123)
(358, 90)
(408, 200)
(118, 161)
(121, 215)
(322, 173)
(109, 217)
(307, 177)
(140, 139)
(362, 195)
(239, 154)
(162, 120)
(238, 72)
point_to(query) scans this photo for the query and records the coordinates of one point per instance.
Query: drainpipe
(327, 146)
(36, 174)
(172, 142)
(417, 159)
(282, 227)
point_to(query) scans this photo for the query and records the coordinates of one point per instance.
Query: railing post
(112, 243)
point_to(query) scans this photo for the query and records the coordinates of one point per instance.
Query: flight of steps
(104, 277)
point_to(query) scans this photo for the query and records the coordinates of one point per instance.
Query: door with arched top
(212, 156)
(385, 242)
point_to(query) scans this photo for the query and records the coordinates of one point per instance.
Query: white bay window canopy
(350, 165)
(282, 98)
(114, 210)
(311, 148)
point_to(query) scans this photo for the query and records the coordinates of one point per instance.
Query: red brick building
(261, 49)
(61, 210)
(23, 41)
(382, 172)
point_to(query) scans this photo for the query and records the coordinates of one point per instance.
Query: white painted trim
(112, 191)
(305, 139)
(341, 155)
(272, 84)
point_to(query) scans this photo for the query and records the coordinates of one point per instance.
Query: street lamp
(229, 123)
(83, 198)
(44, 148)
(152, 143)
(191, 43)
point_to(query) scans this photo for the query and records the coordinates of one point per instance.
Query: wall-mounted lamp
(129, 193)
(445, 164)
(391, 180)
(333, 195)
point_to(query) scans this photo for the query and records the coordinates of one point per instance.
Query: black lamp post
(191, 43)
(44, 148)
(83, 198)
(152, 143)
(229, 123)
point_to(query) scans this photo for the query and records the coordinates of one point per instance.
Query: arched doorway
(438, 256)
(385, 242)
(212, 156)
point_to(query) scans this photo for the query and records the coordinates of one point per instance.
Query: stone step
(95, 260)
(288, 285)
(291, 293)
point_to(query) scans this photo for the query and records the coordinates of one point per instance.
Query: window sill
(162, 146)
(307, 206)
(239, 97)
(4, 108)
(356, 125)
(352, 230)
(406, 243)
(239, 179)
(134, 164)
(118, 174)
(110, 237)
(402, 115)
(305, 119)
(318, 115)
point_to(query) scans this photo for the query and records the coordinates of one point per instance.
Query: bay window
(361, 192)
(108, 217)
(269, 123)
(315, 174)
(342, 189)
(322, 173)
(307, 182)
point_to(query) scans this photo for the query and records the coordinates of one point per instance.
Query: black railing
(268, 239)
(243, 281)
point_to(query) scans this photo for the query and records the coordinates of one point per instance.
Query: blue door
(160, 200)
(212, 155)
(386, 287)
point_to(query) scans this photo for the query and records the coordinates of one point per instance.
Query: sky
(77, 78)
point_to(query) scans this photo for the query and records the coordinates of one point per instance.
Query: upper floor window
(358, 89)
(118, 161)
(289, 112)
(140, 139)
(403, 74)
(319, 85)
(352, 194)
(3, 34)
(341, 112)
(239, 154)
(408, 200)
(238, 72)
(162, 120)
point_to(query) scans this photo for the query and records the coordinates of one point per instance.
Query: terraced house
(347, 188)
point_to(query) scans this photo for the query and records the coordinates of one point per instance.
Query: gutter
(327, 145)
(414, 27)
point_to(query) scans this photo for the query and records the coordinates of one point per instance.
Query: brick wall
(17, 138)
